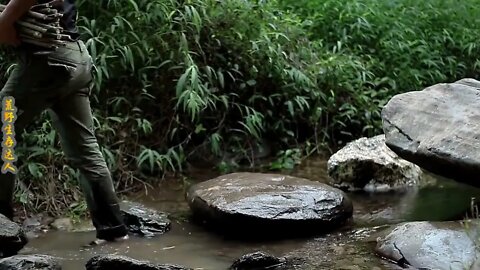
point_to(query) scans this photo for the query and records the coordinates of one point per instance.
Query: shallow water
(190, 245)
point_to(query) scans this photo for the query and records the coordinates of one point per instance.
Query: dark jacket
(69, 19)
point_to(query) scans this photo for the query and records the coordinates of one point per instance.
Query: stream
(190, 245)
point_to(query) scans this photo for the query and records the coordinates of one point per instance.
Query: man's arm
(12, 13)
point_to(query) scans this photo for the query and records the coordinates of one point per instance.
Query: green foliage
(202, 80)
(197, 72)
(287, 159)
(373, 50)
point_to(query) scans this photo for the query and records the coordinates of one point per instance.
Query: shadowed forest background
(242, 84)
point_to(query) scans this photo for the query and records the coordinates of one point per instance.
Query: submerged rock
(438, 129)
(268, 204)
(30, 262)
(62, 224)
(116, 262)
(144, 221)
(12, 237)
(32, 224)
(368, 164)
(428, 245)
(260, 260)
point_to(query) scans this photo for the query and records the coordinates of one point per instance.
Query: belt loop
(79, 46)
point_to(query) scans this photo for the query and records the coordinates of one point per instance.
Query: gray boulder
(12, 237)
(117, 262)
(429, 245)
(438, 129)
(368, 164)
(144, 221)
(268, 204)
(30, 262)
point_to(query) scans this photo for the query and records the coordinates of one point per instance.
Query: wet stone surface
(30, 262)
(116, 262)
(12, 237)
(144, 221)
(261, 260)
(268, 205)
(432, 245)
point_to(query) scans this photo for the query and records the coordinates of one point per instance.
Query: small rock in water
(62, 224)
(368, 164)
(438, 128)
(432, 245)
(30, 262)
(266, 205)
(32, 224)
(12, 237)
(116, 262)
(144, 221)
(258, 260)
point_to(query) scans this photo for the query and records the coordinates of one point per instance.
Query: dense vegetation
(225, 81)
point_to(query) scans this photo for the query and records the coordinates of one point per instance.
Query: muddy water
(190, 245)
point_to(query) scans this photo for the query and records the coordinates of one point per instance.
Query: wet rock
(32, 224)
(12, 237)
(255, 204)
(144, 221)
(368, 164)
(438, 129)
(30, 262)
(260, 260)
(83, 226)
(257, 260)
(108, 262)
(62, 224)
(428, 245)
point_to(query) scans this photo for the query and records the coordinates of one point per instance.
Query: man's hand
(14, 10)
(8, 34)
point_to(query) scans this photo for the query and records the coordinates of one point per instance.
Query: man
(60, 81)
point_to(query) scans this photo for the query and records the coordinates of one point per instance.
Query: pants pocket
(50, 76)
(70, 68)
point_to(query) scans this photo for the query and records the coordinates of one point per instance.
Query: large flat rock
(438, 129)
(268, 203)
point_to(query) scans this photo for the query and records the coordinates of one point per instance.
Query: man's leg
(72, 118)
(27, 85)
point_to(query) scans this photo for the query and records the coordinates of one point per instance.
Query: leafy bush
(203, 73)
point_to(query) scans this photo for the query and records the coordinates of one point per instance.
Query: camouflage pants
(61, 83)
